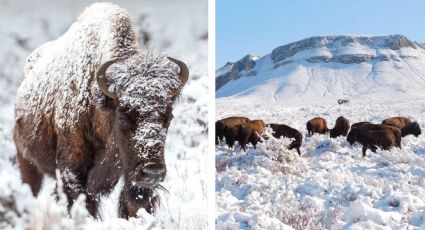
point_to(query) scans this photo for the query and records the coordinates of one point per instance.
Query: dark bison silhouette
(220, 126)
(373, 135)
(342, 125)
(281, 130)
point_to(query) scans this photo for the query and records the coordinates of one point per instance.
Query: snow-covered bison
(317, 125)
(95, 107)
(405, 125)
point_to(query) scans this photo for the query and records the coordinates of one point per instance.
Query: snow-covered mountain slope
(178, 29)
(331, 186)
(329, 68)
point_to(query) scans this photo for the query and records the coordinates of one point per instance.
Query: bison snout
(150, 175)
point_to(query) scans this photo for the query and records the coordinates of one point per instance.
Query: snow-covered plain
(331, 186)
(177, 29)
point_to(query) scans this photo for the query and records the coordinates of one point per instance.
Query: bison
(371, 139)
(351, 136)
(405, 125)
(231, 133)
(94, 107)
(360, 134)
(358, 124)
(342, 125)
(230, 121)
(281, 130)
(317, 125)
(251, 132)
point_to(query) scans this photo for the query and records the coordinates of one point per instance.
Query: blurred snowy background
(176, 28)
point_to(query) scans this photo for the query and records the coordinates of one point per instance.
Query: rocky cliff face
(393, 42)
(234, 68)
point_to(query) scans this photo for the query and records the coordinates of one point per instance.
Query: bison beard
(96, 108)
(134, 198)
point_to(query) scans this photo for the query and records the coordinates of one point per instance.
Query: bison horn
(101, 78)
(184, 71)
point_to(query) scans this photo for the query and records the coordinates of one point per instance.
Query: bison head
(415, 129)
(333, 133)
(140, 91)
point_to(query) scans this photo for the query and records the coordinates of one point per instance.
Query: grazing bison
(251, 132)
(280, 130)
(371, 139)
(359, 133)
(96, 108)
(230, 121)
(317, 125)
(342, 125)
(405, 125)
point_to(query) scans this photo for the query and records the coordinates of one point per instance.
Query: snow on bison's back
(88, 95)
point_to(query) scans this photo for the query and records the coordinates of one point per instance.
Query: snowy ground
(178, 29)
(331, 186)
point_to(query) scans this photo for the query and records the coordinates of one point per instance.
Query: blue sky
(257, 27)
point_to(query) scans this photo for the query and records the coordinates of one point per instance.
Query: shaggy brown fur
(351, 137)
(248, 135)
(358, 124)
(66, 118)
(360, 135)
(281, 130)
(342, 125)
(405, 125)
(317, 125)
(231, 133)
(229, 122)
(372, 139)
(233, 121)
(251, 132)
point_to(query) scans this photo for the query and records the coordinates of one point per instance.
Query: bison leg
(243, 146)
(30, 174)
(364, 149)
(231, 144)
(134, 198)
(74, 161)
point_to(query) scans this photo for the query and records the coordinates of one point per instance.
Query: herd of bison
(371, 136)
